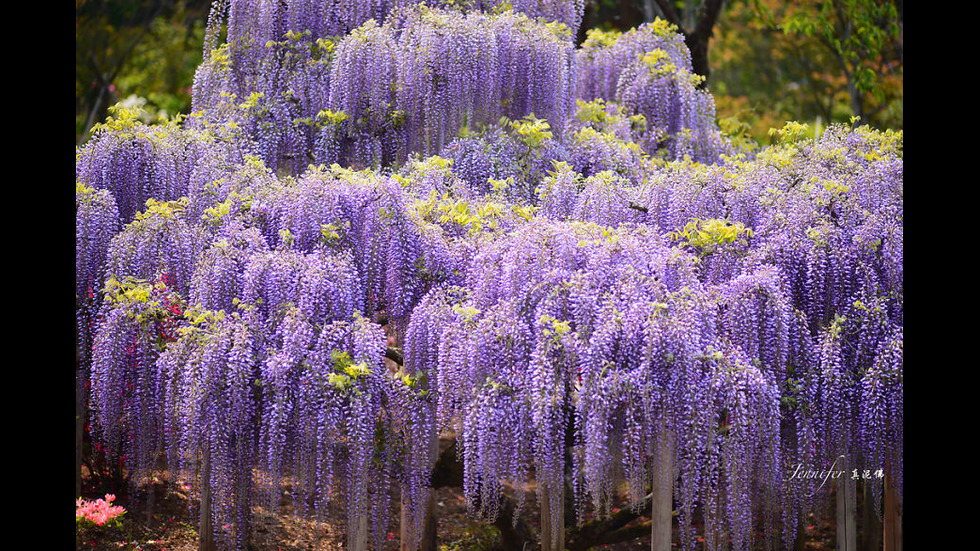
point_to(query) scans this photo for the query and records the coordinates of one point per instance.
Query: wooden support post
(79, 429)
(206, 531)
(893, 517)
(846, 509)
(426, 541)
(662, 506)
(799, 544)
(872, 528)
(405, 536)
(552, 534)
(429, 527)
(545, 518)
(358, 538)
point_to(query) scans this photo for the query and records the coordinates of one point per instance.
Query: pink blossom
(97, 512)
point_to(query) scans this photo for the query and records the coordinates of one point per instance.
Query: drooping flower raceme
(138, 318)
(138, 162)
(207, 377)
(648, 71)
(96, 223)
(158, 241)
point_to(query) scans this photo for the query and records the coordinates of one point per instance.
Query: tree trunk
(430, 528)
(697, 39)
(799, 544)
(79, 424)
(426, 541)
(545, 519)
(358, 540)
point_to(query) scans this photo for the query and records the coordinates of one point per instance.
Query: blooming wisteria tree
(386, 221)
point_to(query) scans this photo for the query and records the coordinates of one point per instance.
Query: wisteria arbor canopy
(581, 278)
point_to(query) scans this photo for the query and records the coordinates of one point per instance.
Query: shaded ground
(171, 528)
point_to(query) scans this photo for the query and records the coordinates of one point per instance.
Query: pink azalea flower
(98, 512)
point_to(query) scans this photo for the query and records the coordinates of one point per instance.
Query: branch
(395, 354)
(635, 206)
(120, 61)
(667, 8)
(707, 17)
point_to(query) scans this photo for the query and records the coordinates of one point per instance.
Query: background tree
(127, 47)
(863, 37)
(809, 61)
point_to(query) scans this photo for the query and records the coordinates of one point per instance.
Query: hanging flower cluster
(367, 84)
(647, 71)
(409, 85)
(138, 162)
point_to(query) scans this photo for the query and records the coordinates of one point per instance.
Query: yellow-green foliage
(712, 235)
(595, 234)
(663, 28)
(473, 218)
(346, 373)
(129, 121)
(592, 111)
(251, 102)
(554, 328)
(198, 317)
(127, 291)
(82, 189)
(659, 63)
(597, 115)
(777, 156)
(147, 307)
(163, 209)
(466, 312)
(532, 130)
(791, 132)
(214, 215)
(417, 383)
(329, 232)
(330, 117)
(599, 38)
(120, 119)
